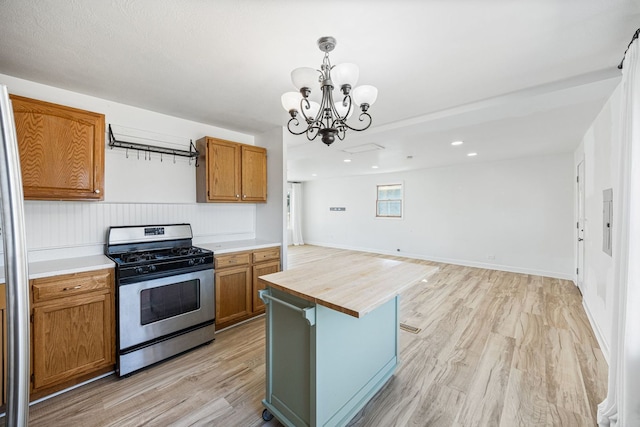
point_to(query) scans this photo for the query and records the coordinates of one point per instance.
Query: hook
(160, 157)
(138, 151)
(126, 152)
(174, 157)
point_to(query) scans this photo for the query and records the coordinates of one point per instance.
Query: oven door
(151, 309)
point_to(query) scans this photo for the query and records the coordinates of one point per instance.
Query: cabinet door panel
(261, 270)
(61, 150)
(254, 174)
(72, 336)
(233, 294)
(224, 165)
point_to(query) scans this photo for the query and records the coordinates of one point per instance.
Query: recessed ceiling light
(457, 143)
(347, 160)
(314, 174)
(472, 154)
(374, 167)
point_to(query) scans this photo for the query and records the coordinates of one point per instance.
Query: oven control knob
(192, 261)
(152, 268)
(139, 270)
(201, 260)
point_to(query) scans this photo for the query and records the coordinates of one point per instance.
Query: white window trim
(375, 202)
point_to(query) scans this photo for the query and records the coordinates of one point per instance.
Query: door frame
(580, 224)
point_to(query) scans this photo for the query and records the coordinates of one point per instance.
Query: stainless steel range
(164, 293)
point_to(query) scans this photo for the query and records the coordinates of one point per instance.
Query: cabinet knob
(244, 196)
(237, 196)
(97, 191)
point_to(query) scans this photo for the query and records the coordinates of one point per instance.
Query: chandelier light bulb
(365, 95)
(345, 76)
(312, 111)
(343, 109)
(291, 101)
(305, 77)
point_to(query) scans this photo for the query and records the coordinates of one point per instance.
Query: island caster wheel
(266, 415)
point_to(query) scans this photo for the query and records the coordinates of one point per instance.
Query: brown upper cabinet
(230, 172)
(61, 150)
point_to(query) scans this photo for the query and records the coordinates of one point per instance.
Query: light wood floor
(495, 349)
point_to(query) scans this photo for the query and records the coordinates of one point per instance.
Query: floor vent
(409, 328)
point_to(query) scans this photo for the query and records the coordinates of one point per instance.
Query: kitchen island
(332, 336)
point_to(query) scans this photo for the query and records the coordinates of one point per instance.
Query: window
(389, 201)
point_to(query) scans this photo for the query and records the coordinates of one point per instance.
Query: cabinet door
(223, 170)
(61, 150)
(261, 270)
(71, 337)
(233, 295)
(254, 174)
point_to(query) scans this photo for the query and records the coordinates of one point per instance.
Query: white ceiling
(511, 78)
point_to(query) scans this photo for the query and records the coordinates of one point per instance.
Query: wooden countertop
(354, 284)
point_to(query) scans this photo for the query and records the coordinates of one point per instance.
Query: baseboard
(465, 263)
(604, 346)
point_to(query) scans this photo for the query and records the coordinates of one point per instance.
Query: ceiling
(509, 78)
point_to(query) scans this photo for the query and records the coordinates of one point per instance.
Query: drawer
(266, 255)
(72, 284)
(231, 260)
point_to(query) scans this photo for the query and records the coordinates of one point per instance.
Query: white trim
(604, 346)
(402, 195)
(465, 263)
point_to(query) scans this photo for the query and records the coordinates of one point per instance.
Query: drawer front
(231, 260)
(266, 255)
(73, 284)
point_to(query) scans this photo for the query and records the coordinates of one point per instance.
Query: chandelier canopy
(327, 118)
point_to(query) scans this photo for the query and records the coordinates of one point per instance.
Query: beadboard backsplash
(65, 229)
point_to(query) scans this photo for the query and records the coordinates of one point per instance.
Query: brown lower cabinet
(237, 287)
(72, 329)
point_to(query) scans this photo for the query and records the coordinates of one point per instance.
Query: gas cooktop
(135, 257)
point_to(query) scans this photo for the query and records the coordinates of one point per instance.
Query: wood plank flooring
(495, 349)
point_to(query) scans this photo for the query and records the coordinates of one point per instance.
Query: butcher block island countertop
(332, 331)
(354, 284)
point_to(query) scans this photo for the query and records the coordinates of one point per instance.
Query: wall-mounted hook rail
(191, 154)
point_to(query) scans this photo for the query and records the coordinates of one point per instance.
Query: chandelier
(327, 118)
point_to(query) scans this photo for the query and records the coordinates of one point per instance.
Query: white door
(580, 226)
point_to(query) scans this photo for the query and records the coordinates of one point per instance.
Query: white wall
(137, 191)
(271, 215)
(520, 212)
(599, 151)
